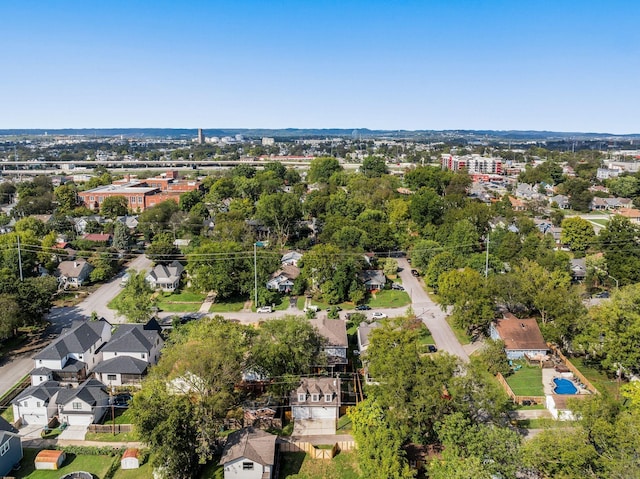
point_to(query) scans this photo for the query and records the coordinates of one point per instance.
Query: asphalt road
(15, 368)
(430, 313)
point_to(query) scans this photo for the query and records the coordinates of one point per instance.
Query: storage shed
(50, 459)
(130, 459)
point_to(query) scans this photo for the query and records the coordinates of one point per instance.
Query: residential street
(430, 313)
(14, 369)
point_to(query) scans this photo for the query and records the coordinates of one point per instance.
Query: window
(25, 404)
(139, 199)
(327, 398)
(80, 357)
(315, 397)
(5, 448)
(111, 377)
(38, 404)
(92, 198)
(132, 199)
(100, 198)
(247, 466)
(301, 397)
(76, 405)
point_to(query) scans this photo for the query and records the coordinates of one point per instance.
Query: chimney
(75, 264)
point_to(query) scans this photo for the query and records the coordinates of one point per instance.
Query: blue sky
(559, 65)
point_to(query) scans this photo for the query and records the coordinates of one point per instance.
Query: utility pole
(255, 271)
(19, 258)
(486, 262)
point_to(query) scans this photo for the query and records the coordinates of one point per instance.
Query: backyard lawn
(527, 381)
(97, 465)
(301, 466)
(599, 379)
(143, 472)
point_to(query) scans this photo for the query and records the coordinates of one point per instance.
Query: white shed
(130, 459)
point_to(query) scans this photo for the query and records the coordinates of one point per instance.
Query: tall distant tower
(200, 136)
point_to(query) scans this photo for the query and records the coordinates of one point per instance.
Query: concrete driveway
(73, 433)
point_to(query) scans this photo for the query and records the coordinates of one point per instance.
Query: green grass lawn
(544, 423)
(183, 296)
(96, 465)
(460, 333)
(527, 381)
(344, 424)
(7, 414)
(299, 465)
(111, 304)
(233, 305)
(179, 307)
(389, 298)
(143, 472)
(601, 222)
(598, 378)
(110, 437)
(123, 416)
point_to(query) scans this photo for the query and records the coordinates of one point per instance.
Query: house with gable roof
(73, 273)
(83, 405)
(315, 406)
(165, 277)
(10, 447)
(37, 404)
(283, 279)
(72, 356)
(335, 333)
(249, 454)
(522, 337)
(128, 355)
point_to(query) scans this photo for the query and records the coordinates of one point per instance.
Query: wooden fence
(107, 428)
(518, 399)
(315, 452)
(576, 372)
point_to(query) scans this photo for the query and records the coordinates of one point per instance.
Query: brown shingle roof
(520, 334)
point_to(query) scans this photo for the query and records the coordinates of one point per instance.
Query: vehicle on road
(414, 272)
(379, 315)
(604, 294)
(397, 287)
(312, 307)
(334, 308)
(264, 309)
(363, 307)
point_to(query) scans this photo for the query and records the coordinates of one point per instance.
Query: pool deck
(548, 374)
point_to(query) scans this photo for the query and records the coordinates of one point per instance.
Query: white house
(291, 258)
(37, 404)
(165, 277)
(76, 352)
(373, 279)
(73, 273)
(83, 405)
(129, 353)
(249, 454)
(283, 279)
(315, 406)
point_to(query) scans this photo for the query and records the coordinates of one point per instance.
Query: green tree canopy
(113, 206)
(134, 302)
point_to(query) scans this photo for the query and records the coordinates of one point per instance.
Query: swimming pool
(564, 386)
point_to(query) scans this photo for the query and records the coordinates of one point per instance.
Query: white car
(378, 315)
(264, 309)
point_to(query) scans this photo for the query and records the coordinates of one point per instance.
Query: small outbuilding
(130, 459)
(50, 459)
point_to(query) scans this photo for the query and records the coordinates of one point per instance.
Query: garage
(28, 419)
(78, 419)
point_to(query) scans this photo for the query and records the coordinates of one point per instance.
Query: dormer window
(301, 397)
(315, 397)
(327, 398)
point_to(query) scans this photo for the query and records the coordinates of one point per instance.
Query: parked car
(603, 294)
(431, 348)
(363, 307)
(378, 315)
(264, 309)
(122, 399)
(313, 308)
(334, 308)
(414, 272)
(397, 287)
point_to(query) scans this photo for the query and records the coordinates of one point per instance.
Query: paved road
(14, 369)
(430, 313)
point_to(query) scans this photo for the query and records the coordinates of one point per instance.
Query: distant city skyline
(407, 65)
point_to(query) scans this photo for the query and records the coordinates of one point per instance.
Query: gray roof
(44, 391)
(335, 330)
(77, 340)
(364, 330)
(40, 372)
(122, 365)
(163, 273)
(5, 426)
(373, 276)
(254, 444)
(132, 338)
(91, 391)
(73, 269)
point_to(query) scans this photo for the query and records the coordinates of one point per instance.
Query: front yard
(527, 381)
(389, 298)
(182, 302)
(299, 465)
